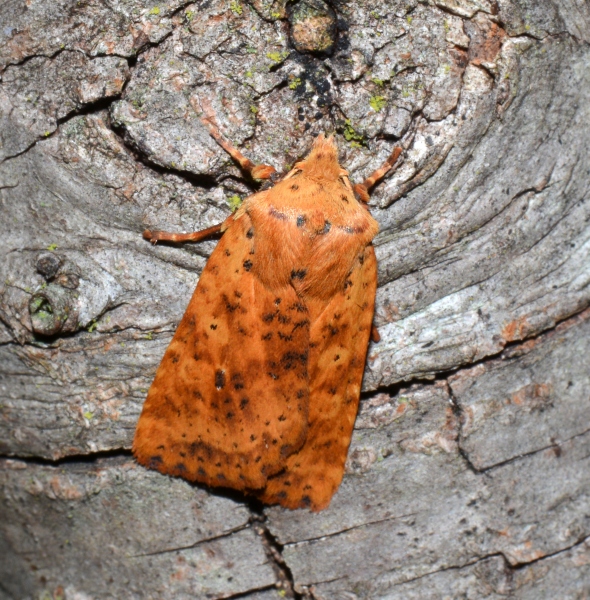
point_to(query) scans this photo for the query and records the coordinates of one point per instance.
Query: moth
(259, 387)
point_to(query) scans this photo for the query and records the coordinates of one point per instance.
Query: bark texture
(469, 472)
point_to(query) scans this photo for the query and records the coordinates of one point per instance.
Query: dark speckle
(268, 317)
(273, 212)
(219, 379)
(344, 198)
(237, 381)
(301, 220)
(305, 502)
(213, 326)
(327, 227)
(294, 187)
(250, 233)
(243, 403)
(298, 274)
(230, 415)
(277, 301)
(154, 462)
(247, 265)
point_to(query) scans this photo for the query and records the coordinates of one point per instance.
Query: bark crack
(226, 534)
(274, 551)
(352, 528)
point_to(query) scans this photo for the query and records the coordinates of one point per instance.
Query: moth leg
(375, 336)
(362, 189)
(255, 171)
(195, 236)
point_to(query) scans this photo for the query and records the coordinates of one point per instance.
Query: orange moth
(259, 388)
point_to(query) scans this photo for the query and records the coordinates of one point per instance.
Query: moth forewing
(260, 385)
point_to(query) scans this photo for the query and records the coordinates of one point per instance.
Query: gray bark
(468, 475)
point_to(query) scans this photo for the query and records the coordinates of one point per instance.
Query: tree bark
(469, 470)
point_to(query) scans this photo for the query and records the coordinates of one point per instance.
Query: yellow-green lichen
(52, 247)
(277, 57)
(236, 7)
(355, 139)
(377, 102)
(155, 10)
(234, 202)
(295, 83)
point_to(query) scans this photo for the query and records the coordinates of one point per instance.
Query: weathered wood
(115, 530)
(413, 505)
(474, 485)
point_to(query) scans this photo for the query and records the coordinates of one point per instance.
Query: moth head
(322, 161)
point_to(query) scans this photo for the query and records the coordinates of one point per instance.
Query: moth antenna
(258, 172)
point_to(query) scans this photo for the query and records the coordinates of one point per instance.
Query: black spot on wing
(219, 379)
(298, 273)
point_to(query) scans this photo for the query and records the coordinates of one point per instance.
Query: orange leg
(195, 236)
(362, 189)
(255, 171)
